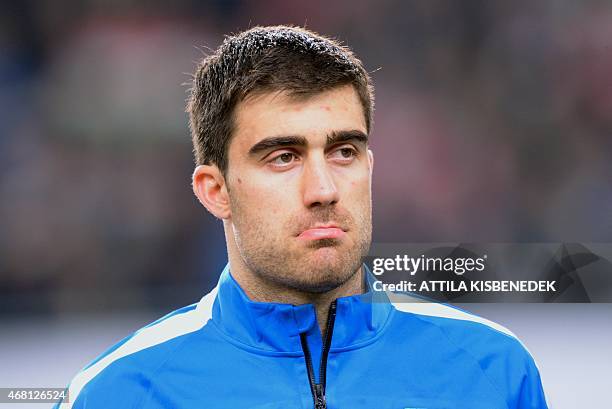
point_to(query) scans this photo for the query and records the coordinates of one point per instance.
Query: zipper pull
(320, 402)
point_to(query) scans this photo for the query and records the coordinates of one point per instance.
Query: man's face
(299, 181)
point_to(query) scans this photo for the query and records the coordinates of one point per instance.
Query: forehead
(313, 117)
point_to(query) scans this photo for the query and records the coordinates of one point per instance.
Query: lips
(322, 231)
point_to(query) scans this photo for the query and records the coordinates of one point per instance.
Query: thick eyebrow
(277, 141)
(345, 136)
(333, 138)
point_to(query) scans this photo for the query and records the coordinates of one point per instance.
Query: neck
(259, 289)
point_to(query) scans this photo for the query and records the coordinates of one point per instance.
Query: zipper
(318, 389)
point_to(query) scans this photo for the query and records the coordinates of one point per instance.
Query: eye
(345, 154)
(284, 159)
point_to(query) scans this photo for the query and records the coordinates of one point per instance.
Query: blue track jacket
(227, 351)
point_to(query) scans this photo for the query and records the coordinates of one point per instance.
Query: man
(280, 119)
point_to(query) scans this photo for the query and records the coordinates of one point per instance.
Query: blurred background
(493, 123)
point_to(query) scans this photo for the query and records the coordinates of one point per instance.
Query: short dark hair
(266, 59)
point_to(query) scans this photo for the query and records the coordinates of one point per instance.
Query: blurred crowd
(493, 123)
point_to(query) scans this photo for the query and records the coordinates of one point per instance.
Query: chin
(317, 286)
(324, 274)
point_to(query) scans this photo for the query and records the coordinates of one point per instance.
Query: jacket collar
(276, 327)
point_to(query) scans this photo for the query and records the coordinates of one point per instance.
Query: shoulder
(120, 377)
(501, 355)
(459, 325)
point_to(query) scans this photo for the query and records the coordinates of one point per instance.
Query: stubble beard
(317, 267)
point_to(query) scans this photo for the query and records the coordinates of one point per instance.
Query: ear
(371, 160)
(211, 190)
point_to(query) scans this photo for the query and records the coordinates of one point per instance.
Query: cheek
(357, 196)
(359, 185)
(261, 200)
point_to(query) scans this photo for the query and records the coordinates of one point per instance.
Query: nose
(319, 188)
